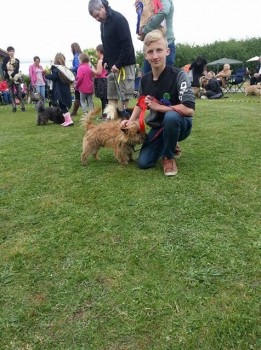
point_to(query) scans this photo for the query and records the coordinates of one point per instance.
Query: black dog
(54, 114)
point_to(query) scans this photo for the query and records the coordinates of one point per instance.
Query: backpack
(66, 76)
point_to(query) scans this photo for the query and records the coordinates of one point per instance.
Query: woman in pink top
(84, 82)
(100, 80)
(37, 77)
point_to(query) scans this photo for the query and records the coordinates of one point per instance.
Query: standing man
(119, 55)
(10, 68)
(168, 95)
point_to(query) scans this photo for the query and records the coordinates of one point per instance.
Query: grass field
(110, 257)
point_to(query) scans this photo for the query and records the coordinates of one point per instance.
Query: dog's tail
(86, 120)
(111, 112)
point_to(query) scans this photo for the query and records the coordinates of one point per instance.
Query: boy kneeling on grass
(169, 97)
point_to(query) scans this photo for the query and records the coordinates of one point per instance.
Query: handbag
(34, 96)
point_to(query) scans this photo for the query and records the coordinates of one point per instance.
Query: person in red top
(84, 82)
(5, 92)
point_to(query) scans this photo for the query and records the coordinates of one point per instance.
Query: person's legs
(258, 79)
(170, 59)
(210, 93)
(196, 77)
(42, 91)
(127, 85)
(253, 81)
(151, 149)
(104, 102)
(76, 103)
(175, 128)
(83, 102)
(12, 94)
(112, 94)
(67, 116)
(146, 67)
(89, 101)
(19, 96)
(162, 142)
(125, 80)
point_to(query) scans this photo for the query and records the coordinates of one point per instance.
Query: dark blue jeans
(161, 142)
(170, 59)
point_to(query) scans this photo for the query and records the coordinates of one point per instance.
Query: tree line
(240, 50)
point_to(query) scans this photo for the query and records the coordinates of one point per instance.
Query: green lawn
(110, 257)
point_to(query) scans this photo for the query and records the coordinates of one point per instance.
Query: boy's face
(156, 53)
(11, 53)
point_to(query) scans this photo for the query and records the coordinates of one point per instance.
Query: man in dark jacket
(256, 78)
(12, 76)
(119, 55)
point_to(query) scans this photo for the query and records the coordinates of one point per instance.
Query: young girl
(61, 90)
(37, 78)
(100, 80)
(84, 82)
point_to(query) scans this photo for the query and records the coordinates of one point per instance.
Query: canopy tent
(255, 58)
(223, 61)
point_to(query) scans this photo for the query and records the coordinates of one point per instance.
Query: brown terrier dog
(253, 89)
(110, 134)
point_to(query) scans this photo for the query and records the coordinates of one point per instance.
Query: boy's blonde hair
(153, 36)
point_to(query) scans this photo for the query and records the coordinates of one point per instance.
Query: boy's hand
(124, 123)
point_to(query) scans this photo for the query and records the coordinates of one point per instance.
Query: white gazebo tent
(255, 58)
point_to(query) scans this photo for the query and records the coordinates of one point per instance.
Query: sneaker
(203, 97)
(170, 167)
(177, 153)
(14, 110)
(23, 109)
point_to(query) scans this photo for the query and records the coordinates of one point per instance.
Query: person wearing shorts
(119, 55)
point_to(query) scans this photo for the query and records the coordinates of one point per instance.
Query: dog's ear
(125, 130)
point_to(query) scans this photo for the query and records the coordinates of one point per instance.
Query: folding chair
(236, 81)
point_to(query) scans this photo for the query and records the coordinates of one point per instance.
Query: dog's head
(40, 106)
(132, 134)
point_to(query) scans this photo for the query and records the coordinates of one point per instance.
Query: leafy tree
(92, 56)
(241, 50)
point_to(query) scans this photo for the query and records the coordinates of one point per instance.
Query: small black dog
(54, 114)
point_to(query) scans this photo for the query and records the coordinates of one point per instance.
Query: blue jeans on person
(41, 90)
(170, 59)
(161, 142)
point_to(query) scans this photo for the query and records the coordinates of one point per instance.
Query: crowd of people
(167, 91)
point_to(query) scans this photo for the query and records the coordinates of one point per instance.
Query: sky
(54, 24)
